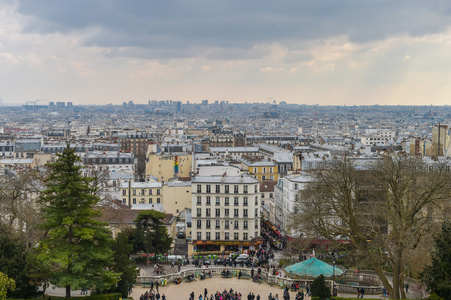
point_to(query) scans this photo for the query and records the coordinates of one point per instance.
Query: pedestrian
(164, 297)
(406, 285)
(362, 292)
(270, 296)
(205, 293)
(200, 297)
(172, 265)
(179, 268)
(156, 284)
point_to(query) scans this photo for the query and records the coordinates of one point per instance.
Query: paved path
(244, 286)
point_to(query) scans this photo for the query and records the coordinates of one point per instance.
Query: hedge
(111, 296)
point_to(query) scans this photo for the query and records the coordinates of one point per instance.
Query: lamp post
(333, 278)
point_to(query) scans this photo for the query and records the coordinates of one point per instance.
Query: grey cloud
(181, 28)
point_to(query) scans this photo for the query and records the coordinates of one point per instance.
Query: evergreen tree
(438, 276)
(150, 233)
(123, 264)
(78, 245)
(319, 288)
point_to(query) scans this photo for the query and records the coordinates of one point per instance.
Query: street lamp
(333, 278)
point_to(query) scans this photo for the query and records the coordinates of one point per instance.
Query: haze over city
(303, 52)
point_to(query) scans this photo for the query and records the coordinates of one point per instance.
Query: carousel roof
(313, 267)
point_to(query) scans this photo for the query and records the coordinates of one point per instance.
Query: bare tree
(384, 209)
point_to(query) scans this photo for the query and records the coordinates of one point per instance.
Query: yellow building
(168, 165)
(263, 170)
(171, 197)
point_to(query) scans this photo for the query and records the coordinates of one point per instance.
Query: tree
(150, 234)
(384, 209)
(13, 264)
(6, 284)
(320, 289)
(78, 245)
(438, 275)
(122, 262)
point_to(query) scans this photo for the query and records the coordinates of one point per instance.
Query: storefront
(225, 246)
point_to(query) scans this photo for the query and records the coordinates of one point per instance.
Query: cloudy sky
(351, 52)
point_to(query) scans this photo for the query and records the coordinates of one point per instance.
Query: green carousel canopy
(313, 267)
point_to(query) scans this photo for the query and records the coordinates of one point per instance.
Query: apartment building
(225, 210)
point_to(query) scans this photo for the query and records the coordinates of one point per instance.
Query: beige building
(170, 197)
(163, 165)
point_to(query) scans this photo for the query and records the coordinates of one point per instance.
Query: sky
(327, 52)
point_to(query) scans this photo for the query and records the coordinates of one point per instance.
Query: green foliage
(319, 288)
(77, 245)
(13, 264)
(110, 296)
(438, 276)
(122, 263)
(6, 284)
(150, 235)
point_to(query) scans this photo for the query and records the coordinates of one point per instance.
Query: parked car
(219, 261)
(241, 259)
(181, 235)
(235, 254)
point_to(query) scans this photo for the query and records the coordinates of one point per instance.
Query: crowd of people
(152, 295)
(225, 295)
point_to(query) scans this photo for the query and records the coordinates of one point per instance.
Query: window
(256, 200)
(235, 201)
(208, 236)
(208, 201)
(218, 201)
(158, 200)
(235, 189)
(256, 234)
(218, 224)
(143, 191)
(158, 191)
(199, 224)
(199, 235)
(245, 201)
(226, 225)
(235, 225)
(235, 212)
(236, 236)
(150, 192)
(134, 200)
(245, 189)
(199, 212)
(226, 236)
(245, 225)
(245, 212)
(226, 201)
(226, 189)
(134, 192)
(218, 235)
(271, 195)
(256, 213)
(255, 188)
(217, 212)
(263, 195)
(142, 201)
(256, 226)
(208, 212)
(199, 200)
(295, 186)
(226, 212)
(124, 200)
(244, 236)
(218, 189)
(199, 188)
(208, 188)
(208, 223)
(124, 192)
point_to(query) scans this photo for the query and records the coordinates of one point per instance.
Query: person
(362, 292)
(192, 295)
(179, 268)
(163, 297)
(276, 297)
(270, 296)
(406, 285)
(156, 284)
(205, 293)
(358, 292)
(157, 296)
(200, 297)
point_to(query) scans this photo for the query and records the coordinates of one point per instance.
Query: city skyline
(309, 52)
